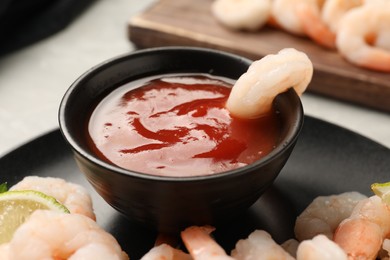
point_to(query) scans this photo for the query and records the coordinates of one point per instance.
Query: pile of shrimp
(358, 29)
(345, 226)
(55, 235)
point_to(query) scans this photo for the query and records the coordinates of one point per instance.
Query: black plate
(327, 160)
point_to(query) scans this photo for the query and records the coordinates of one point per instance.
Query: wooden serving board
(190, 23)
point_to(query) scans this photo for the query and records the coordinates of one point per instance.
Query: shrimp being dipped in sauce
(54, 235)
(73, 196)
(253, 93)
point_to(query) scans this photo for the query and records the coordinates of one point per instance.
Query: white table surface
(34, 79)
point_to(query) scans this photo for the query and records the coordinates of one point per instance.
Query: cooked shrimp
(259, 245)
(201, 245)
(75, 197)
(253, 93)
(166, 252)
(324, 214)
(309, 14)
(242, 14)
(4, 251)
(358, 31)
(283, 12)
(53, 235)
(320, 248)
(361, 235)
(334, 10)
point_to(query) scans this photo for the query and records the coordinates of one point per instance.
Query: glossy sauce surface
(177, 125)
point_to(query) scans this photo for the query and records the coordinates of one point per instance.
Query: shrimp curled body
(252, 14)
(73, 196)
(324, 214)
(201, 245)
(362, 234)
(54, 235)
(358, 34)
(253, 93)
(320, 248)
(259, 245)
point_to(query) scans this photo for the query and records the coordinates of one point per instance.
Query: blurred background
(46, 44)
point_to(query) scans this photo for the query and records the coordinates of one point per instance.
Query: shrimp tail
(314, 27)
(369, 240)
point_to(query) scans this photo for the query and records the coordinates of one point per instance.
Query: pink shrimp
(358, 32)
(361, 235)
(309, 13)
(75, 197)
(53, 235)
(166, 252)
(201, 246)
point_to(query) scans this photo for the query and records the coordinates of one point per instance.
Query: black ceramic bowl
(168, 204)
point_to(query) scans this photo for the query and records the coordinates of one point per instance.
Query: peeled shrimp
(201, 246)
(166, 252)
(259, 245)
(284, 15)
(324, 214)
(75, 197)
(309, 13)
(54, 235)
(334, 10)
(357, 34)
(242, 14)
(253, 93)
(320, 248)
(361, 235)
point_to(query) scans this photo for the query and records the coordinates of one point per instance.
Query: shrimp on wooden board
(259, 245)
(362, 234)
(324, 214)
(283, 14)
(357, 34)
(309, 14)
(253, 93)
(242, 14)
(54, 235)
(320, 248)
(73, 196)
(334, 10)
(201, 245)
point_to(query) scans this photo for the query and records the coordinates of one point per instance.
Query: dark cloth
(23, 22)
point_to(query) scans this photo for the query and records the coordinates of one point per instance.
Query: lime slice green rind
(3, 187)
(17, 206)
(382, 190)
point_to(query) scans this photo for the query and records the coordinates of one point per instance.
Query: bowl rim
(285, 143)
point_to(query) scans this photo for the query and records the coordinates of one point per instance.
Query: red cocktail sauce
(177, 125)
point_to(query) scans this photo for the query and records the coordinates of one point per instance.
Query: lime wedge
(16, 206)
(382, 190)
